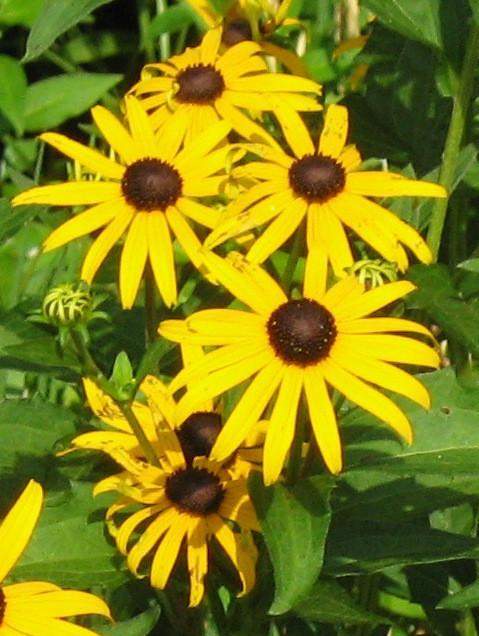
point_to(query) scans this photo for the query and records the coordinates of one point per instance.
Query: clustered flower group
(211, 138)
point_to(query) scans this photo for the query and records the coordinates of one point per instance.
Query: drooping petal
(197, 555)
(167, 551)
(150, 537)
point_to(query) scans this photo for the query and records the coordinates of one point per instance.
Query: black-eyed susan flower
(201, 86)
(183, 504)
(149, 193)
(36, 608)
(286, 346)
(324, 185)
(251, 20)
(197, 430)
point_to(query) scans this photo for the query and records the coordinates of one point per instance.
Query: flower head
(148, 193)
(324, 185)
(290, 345)
(183, 502)
(36, 608)
(201, 86)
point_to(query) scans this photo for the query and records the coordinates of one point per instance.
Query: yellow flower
(183, 502)
(325, 185)
(36, 608)
(201, 85)
(197, 431)
(150, 192)
(254, 20)
(326, 338)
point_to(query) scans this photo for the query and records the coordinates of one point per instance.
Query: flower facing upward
(325, 338)
(201, 86)
(36, 608)
(324, 185)
(183, 502)
(151, 191)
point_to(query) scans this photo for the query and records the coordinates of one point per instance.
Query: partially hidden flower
(254, 20)
(182, 504)
(323, 184)
(202, 85)
(36, 608)
(149, 193)
(285, 346)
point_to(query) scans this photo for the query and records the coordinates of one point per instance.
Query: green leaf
(446, 438)
(173, 19)
(13, 89)
(362, 548)
(475, 9)
(140, 625)
(56, 17)
(437, 296)
(12, 219)
(465, 598)
(415, 19)
(52, 101)
(295, 524)
(29, 430)
(471, 265)
(13, 12)
(70, 547)
(328, 602)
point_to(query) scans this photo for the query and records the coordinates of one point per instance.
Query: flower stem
(292, 261)
(165, 43)
(90, 369)
(462, 99)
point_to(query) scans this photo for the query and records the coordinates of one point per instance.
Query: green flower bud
(374, 273)
(68, 304)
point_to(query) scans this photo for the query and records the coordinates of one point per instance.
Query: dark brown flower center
(195, 490)
(198, 434)
(3, 605)
(151, 184)
(301, 332)
(237, 31)
(199, 84)
(317, 178)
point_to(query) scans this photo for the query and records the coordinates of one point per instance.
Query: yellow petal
(185, 235)
(358, 306)
(202, 145)
(197, 561)
(17, 527)
(240, 549)
(160, 250)
(72, 193)
(27, 589)
(103, 244)
(281, 428)
(315, 274)
(323, 419)
(242, 124)
(60, 604)
(210, 45)
(129, 526)
(91, 159)
(115, 134)
(141, 128)
(205, 215)
(372, 325)
(367, 398)
(150, 538)
(388, 184)
(393, 348)
(167, 551)
(133, 259)
(295, 132)
(82, 224)
(335, 131)
(271, 82)
(248, 410)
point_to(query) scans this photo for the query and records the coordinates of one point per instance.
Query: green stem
(150, 306)
(455, 134)
(165, 43)
(367, 588)
(144, 21)
(56, 59)
(293, 471)
(293, 258)
(91, 370)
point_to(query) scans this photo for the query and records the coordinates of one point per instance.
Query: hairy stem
(462, 99)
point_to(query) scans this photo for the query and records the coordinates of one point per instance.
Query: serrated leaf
(56, 17)
(295, 522)
(140, 625)
(70, 546)
(13, 89)
(52, 101)
(328, 602)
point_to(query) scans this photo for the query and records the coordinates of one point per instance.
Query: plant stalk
(455, 134)
(150, 306)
